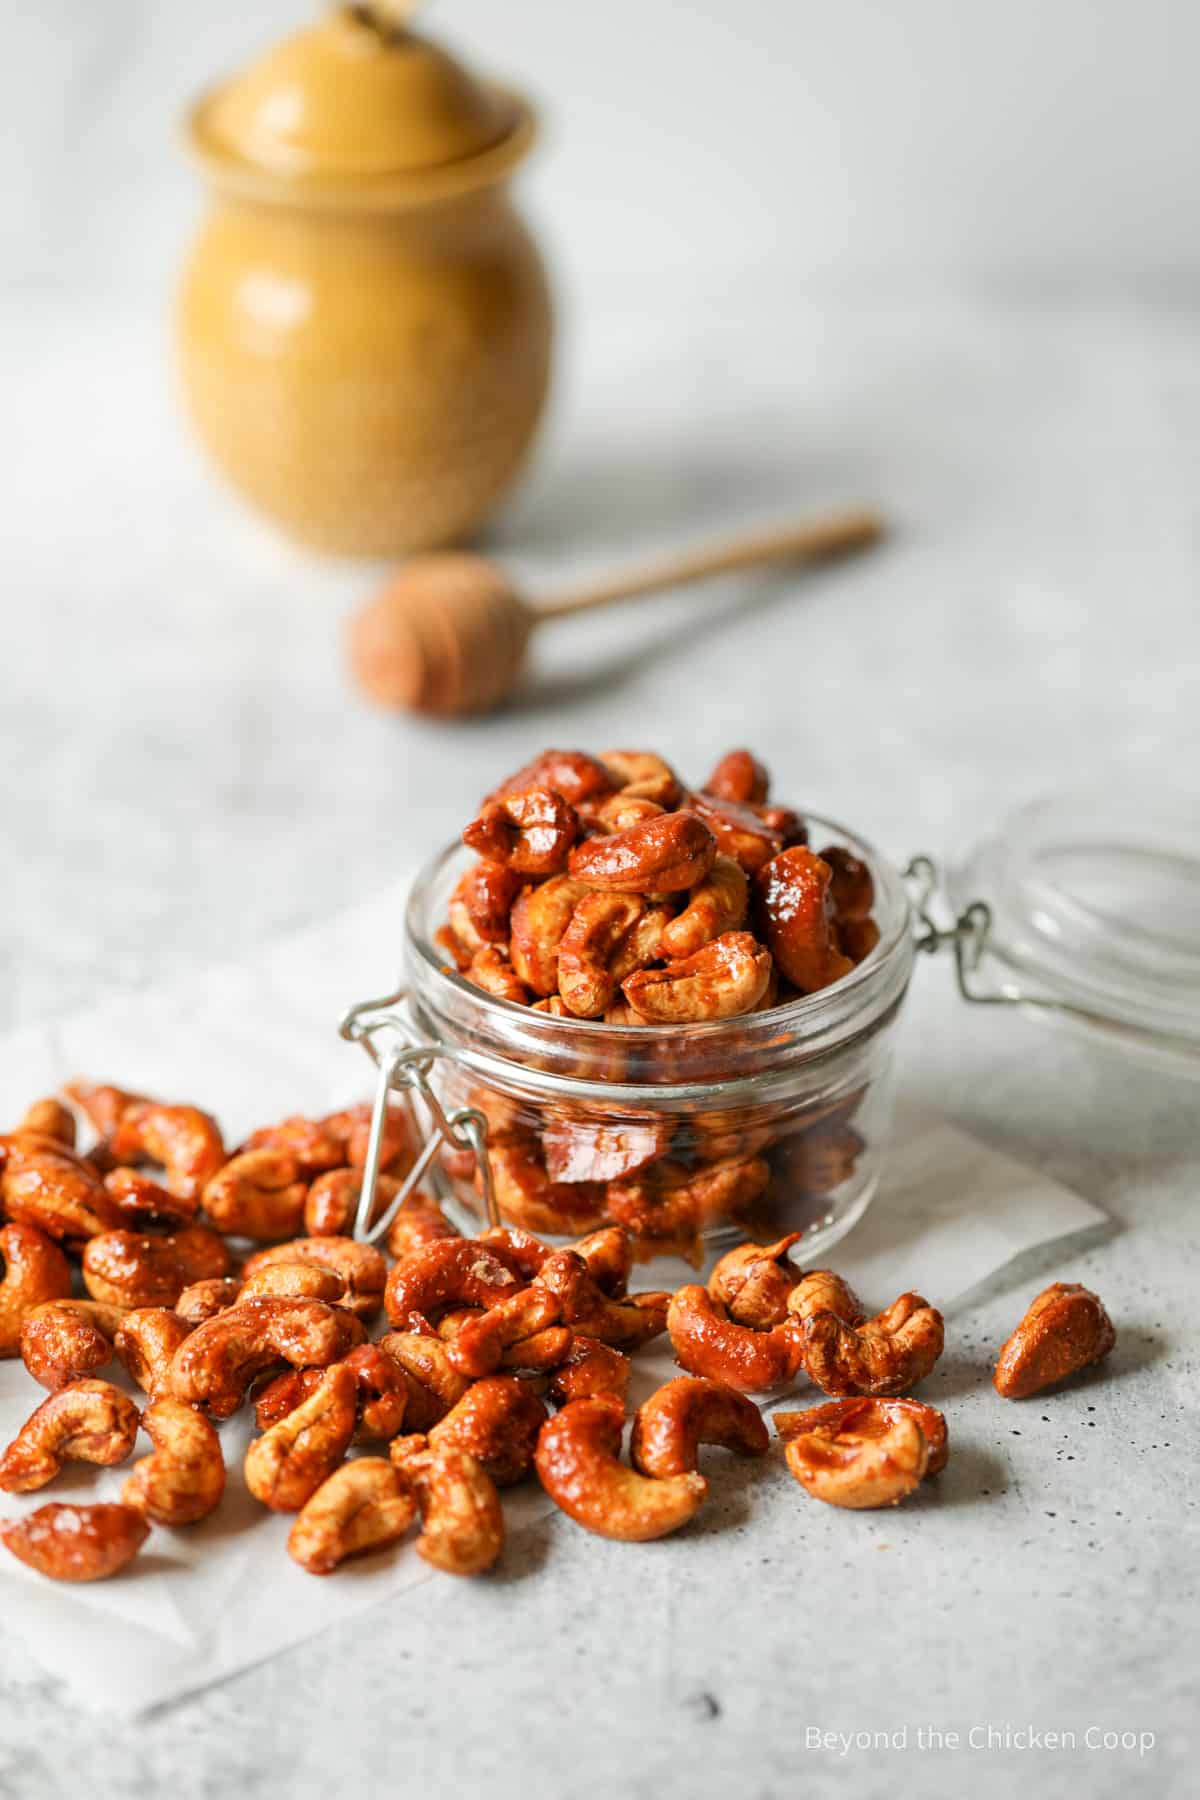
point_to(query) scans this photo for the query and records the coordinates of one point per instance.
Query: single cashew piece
(258, 1194)
(365, 1505)
(479, 1347)
(35, 1270)
(644, 775)
(658, 856)
(851, 886)
(529, 832)
(716, 905)
(669, 1427)
(727, 977)
(383, 1394)
(419, 1221)
(572, 773)
(482, 900)
(184, 1141)
(866, 1415)
(707, 1342)
(527, 1197)
(578, 1463)
(590, 953)
(539, 919)
(741, 829)
(183, 1481)
(754, 1282)
(456, 1272)
(128, 1268)
(434, 1384)
(89, 1421)
(331, 1205)
(626, 1324)
(1065, 1329)
(521, 1251)
(620, 812)
(144, 1201)
(867, 1458)
(65, 1340)
(588, 1370)
(607, 1255)
(739, 776)
(76, 1543)
(146, 1341)
(294, 1281)
(497, 1421)
(671, 1204)
(205, 1299)
(885, 1355)
(603, 1149)
(491, 970)
(797, 915)
(56, 1191)
(285, 1467)
(462, 1522)
(821, 1290)
(49, 1118)
(360, 1267)
(216, 1364)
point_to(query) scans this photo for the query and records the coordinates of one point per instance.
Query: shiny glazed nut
(620, 812)
(146, 1342)
(866, 1459)
(539, 919)
(716, 905)
(56, 1191)
(599, 1150)
(669, 1428)
(669, 1203)
(76, 1543)
(65, 1340)
(311, 1143)
(793, 896)
(590, 1369)
(331, 1206)
(821, 1159)
(572, 773)
(102, 1103)
(1065, 1330)
(727, 977)
(626, 1324)
(479, 1347)
(35, 1270)
(184, 1141)
(360, 1267)
(658, 856)
(529, 832)
(521, 1251)
(285, 1467)
(491, 970)
(183, 1481)
(205, 1299)
(858, 937)
(821, 1290)
(456, 1272)
(592, 956)
(258, 1194)
(739, 830)
(216, 1364)
(641, 774)
(294, 1281)
(887, 1354)
(89, 1421)
(49, 1118)
(497, 1421)
(706, 1342)
(754, 1282)
(866, 1416)
(739, 776)
(461, 1517)
(419, 1221)
(578, 1464)
(851, 888)
(485, 893)
(383, 1394)
(434, 1384)
(607, 1255)
(363, 1506)
(127, 1268)
(529, 1199)
(143, 1201)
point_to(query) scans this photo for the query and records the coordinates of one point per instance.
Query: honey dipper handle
(819, 540)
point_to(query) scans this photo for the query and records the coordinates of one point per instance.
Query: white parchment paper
(255, 1040)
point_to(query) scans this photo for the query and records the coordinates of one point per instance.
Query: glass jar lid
(1094, 897)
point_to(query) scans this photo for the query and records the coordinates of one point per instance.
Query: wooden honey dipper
(448, 634)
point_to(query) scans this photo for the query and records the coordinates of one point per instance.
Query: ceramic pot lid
(1095, 904)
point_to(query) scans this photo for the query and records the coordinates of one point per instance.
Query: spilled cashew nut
(456, 1272)
(382, 1386)
(128, 1268)
(754, 1282)
(89, 1421)
(669, 1427)
(1065, 1329)
(146, 1341)
(866, 1415)
(56, 1191)
(578, 1464)
(287, 1464)
(184, 1141)
(35, 1270)
(360, 1267)
(76, 1543)
(258, 1194)
(821, 1290)
(434, 1384)
(205, 1299)
(588, 1370)
(216, 1364)
(144, 1201)
(626, 1324)
(65, 1340)
(497, 1421)
(885, 1355)
(184, 1479)
(365, 1505)
(462, 1522)
(418, 1221)
(707, 1342)
(479, 1347)
(873, 1455)
(49, 1118)
(331, 1205)
(294, 1281)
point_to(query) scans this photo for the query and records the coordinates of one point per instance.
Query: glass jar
(771, 1122)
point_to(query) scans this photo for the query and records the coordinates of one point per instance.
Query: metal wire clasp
(968, 935)
(404, 1061)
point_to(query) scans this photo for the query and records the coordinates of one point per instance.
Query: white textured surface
(185, 773)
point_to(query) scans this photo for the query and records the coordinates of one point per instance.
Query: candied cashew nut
(419, 1221)
(205, 1299)
(311, 1143)
(365, 1505)
(821, 1159)
(497, 1421)
(383, 1394)
(146, 1342)
(866, 1415)
(523, 1251)
(527, 1197)
(821, 1290)
(739, 776)
(658, 856)
(670, 1204)
(216, 1364)
(572, 773)
(49, 1118)
(644, 775)
(127, 1268)
(294, 1281)
(590, 1369)
(590, 949)
(620, 812)
(669, 1427)
(456, 1272)
(76, 1543)
(183, 1481)
(143, 1201)
(793, 892)
(35, 1270)
(536, 926)
(462, 1522)
(482, 900)
(716, 905)
(1065, 1330)
(528, 832)
(360, 1267)
(727, 977)
(56, 1191)
(754, 1282)
(285, 1467)
(851, 887)
(258, 1194)
(331, 1206)
(626, 1324)
(607, 1255)
(88, 1421)
(706, 1342)
(578, 1464)
(885, 1355)
(873, 1455)
(491, 970)
(434, 1384)
(183, 1140)
(65, 1340)
(479, 1347)
(740, 830)
(583, 1149)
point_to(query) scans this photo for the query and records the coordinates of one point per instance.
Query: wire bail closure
(404, 1062)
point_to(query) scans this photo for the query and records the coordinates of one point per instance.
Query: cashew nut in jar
(866, 1415)
(57, 1192)
(479, 1347)
(885, 1355)
(590, 1369)
(607, 1255)
(76, 1543)
(360, 1267)
(530, 832)
(739, 830)
(128, 1268)
(620, 812)
(739, 776)
(873, 1454)
(626, 1324)
(35, 1270)
(434, 1384)
(146, 1341)
(205, 1299)
(727, 977)
(669, 1204)
(797, 916)
(1066, 1329)
(755, 1281)
(669, 1427)
(258, 1194)
(184, 1141)
(497, 1421)
(143, 1201)
(706, 1342)
(419, 1221)
(537, 924)
(65, 1340)
(482, 901)
(658, 856)
(462, 1522)
(288, 1463)
(643, 774)
(89, 1421)
(491, 970)
(184, 1479)
(715, 906)
(579, 1465)
(609, 937)
(365, 1505)
(529, 1199)
(578, 1148)
(851, 887)
(216, 1364)
(572, 773)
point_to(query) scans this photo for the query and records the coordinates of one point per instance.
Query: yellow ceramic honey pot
(364, 323)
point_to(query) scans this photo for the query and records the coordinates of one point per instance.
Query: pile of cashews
(503, 1356)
